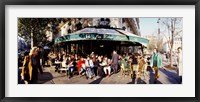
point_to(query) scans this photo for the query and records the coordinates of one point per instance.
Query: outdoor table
(58, 63)
(61, 68)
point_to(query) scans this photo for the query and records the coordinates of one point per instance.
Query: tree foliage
(156, 42)
(37, 26)
(174, 28)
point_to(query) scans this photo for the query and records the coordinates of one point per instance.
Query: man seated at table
(71, 66)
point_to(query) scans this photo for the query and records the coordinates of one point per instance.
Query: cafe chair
(125, 69)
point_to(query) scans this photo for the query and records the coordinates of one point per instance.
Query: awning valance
(102, 34)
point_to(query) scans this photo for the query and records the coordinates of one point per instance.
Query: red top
(80, 64)
(94, 59)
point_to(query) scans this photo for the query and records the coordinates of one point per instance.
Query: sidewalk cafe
(102, 41)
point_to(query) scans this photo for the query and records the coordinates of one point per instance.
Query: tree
(174, 28)
(155, 42)
(38, 27)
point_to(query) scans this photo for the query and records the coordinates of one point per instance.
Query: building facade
(74, 24)
(176, 45)
(128, 24)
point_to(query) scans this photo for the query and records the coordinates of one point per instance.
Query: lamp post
(31, 37)
(158, 26)
(158, 39)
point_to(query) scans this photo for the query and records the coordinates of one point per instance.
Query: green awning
(102, 34)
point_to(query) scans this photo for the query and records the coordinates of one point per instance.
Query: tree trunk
(32, 43)
(172, 41)
(170, 57)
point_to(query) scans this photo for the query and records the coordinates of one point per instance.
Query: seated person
(124, 64)
(99, 67)
(63, 64)
(89, 65)
(134, 68)
(106, 66)
(71, 67)
(56, 59)
(95, 62)
(81, 66)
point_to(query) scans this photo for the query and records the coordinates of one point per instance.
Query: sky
(148, 26)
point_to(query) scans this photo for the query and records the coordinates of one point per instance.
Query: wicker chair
(125, 68)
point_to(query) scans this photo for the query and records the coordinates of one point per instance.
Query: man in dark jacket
(115, 58)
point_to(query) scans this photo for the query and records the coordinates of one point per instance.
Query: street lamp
(158, 38)
(31, 37)
(158, 26)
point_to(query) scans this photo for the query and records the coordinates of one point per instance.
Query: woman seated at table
(81, 66)
(89, 65)
(106, 66)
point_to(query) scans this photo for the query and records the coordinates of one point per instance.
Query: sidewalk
(49, 76)
(172, 73)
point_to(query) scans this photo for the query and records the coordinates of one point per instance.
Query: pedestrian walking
(179, 64)
(167, 56)
(156, 63)
(30, 67)
(115, 58)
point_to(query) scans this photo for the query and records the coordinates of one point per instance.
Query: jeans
(82, 70)
(70, 70)
(94, 70)
(89, 72)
